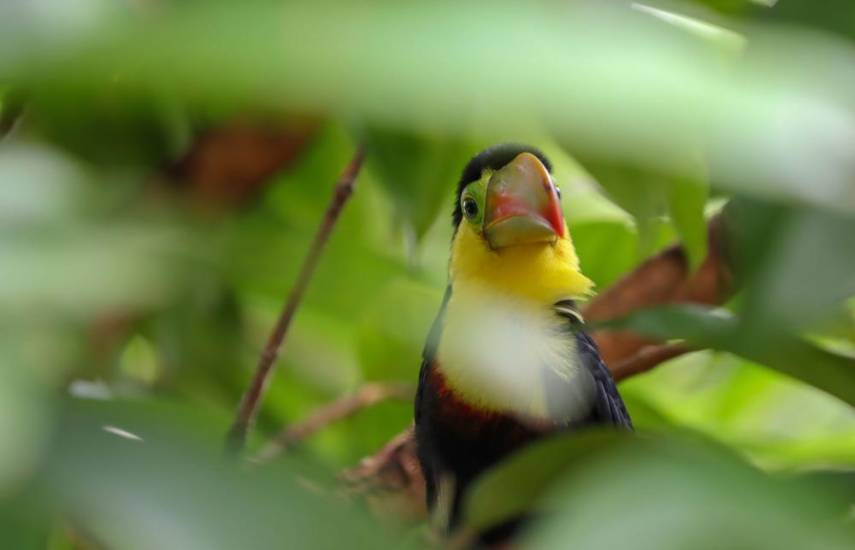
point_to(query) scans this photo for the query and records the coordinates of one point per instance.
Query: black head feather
(493, 158)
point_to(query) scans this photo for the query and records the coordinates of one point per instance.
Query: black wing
(430, 350)
(423, 438)
(607, 405)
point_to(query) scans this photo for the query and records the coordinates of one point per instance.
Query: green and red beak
(522, 205)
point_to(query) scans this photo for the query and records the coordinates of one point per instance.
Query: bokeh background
(164, 166)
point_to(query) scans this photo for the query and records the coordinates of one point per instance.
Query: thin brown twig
(364, 397)
(251, 400)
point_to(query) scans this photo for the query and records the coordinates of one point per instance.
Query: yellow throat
(500, 328)
(540, 273)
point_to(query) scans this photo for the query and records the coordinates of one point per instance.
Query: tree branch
(391, 479)
(646, 358)
(364, 397)
(251, 400)
(665, 278)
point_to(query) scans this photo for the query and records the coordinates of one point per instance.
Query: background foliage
(164, 165)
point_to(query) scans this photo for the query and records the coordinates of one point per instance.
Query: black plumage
(456, 438)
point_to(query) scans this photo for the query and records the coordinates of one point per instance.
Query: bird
(507, 360)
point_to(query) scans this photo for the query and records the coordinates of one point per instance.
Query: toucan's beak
(522, 205)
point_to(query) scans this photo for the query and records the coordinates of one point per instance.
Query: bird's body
(507, 361)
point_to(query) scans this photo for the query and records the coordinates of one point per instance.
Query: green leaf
(670, 495)
(592, 239)
(648, 196)
(134, 479)
(514, 487)
(733, 6)
(25, 414)
(637, 99)
(687, 200)
(639, 192)
(796, 263)
(715, 329)
(744, 405)
(833, 15)
(418, 171)
(568, 484)
(24, 528)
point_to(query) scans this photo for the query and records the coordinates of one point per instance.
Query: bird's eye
(558, 191)
(470, 207)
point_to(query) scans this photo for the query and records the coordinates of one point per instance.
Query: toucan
(507, 360)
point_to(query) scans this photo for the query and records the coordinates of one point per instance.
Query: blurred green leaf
(419, 172)
(25, 415)
(835, 15)
(795, 263)
(139, 361)
(790, 355)
(733, 6)
(566, 485)
(672, 495)
(649, 196)
(114, 266)
(609, 250)
(687, 200)
(514, 488)
(680, 15)
(161, 487)
(391, 338)
(23, 527)
(132, 128)
(591, 239)
(637, 100)
(637, 191)
(775, 421)
(38, 185)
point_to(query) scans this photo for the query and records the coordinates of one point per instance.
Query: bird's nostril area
(506, 206)
(516, 200)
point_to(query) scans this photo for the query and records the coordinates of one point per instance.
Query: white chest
(508, 355)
